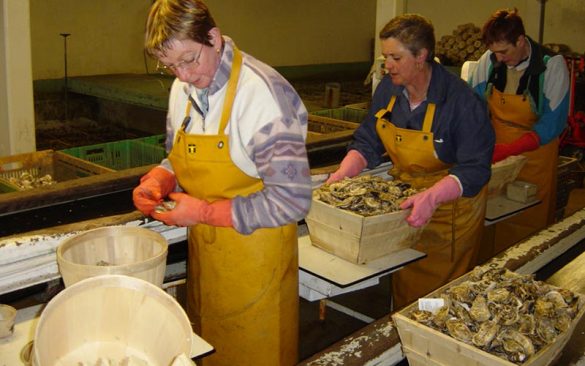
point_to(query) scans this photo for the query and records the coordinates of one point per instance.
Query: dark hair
(414, 31)
(177, 20)
(503, 25)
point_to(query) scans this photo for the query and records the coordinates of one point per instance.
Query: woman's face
(400, 64)
(192, 62)
(510, 54)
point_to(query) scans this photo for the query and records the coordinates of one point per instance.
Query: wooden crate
(357, 238)
(60, 166)
(324, 125)
(504, 172)
(423, 345)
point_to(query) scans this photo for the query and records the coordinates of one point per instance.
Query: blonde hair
(170, 20)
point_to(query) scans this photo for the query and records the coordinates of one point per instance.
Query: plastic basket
(119, 155)
(158, 140)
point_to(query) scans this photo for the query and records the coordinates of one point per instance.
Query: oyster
(462, 292)
(499, 295)
(517, 345)
(526, 324)
(421, 316)
(365, 195)
(441, 317)
(545, 329)
(459, 330)
(165, 206)
(479, 310)
(485, 334)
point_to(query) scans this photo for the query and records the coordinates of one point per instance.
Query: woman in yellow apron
(527, 94)
(439, 138)
(238, 172)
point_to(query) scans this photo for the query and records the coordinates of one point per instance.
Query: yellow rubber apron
(451, 238)
(512, 117)
(242, 290)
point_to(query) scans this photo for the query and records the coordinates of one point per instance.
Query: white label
(429, 304)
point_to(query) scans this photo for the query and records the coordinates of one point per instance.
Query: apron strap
(429, 116)
(382, 112)
(230, 94)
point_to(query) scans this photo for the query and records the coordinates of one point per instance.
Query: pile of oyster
(29, 181)
(504, 313)
(365, 195)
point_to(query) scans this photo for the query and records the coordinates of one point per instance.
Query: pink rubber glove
(527, 142)
(352, 165)
(188, 211)
(153, 187)
(426, 202)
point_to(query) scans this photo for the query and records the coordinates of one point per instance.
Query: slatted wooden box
(504, 172)
(425, 346)
(60, 166)
(357, 238)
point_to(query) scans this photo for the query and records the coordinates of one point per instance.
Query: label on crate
(430, 304)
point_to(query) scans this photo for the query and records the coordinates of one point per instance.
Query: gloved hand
(189, 211)
(426, 202)
(153, 187)
(353, 163)
(219, 214)
(527, 142)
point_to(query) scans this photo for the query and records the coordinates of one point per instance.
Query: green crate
(120, 155)
(344, 114)
(158, 140)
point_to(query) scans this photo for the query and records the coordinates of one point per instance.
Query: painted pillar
(385, 10)
(17, 118)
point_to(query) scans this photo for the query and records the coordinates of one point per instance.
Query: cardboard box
(357, 238)
(423, 345)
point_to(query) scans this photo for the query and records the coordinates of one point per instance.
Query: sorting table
(323, 275)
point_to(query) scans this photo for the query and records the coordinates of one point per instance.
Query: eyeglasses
(181, 65)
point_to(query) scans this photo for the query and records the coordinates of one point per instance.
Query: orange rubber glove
(220, 214)
(154, 186)
(352, 165)
(190, 211)
(527, 142)
(426, 202)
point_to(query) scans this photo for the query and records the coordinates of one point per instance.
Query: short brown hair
(503, 25)
(177, 19)
(414, 31)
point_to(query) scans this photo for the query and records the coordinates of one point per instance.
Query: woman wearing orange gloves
(527, 92)
(238, 172)
(438, 136)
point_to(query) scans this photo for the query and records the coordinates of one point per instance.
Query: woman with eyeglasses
(438, 136)
(238, 172)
